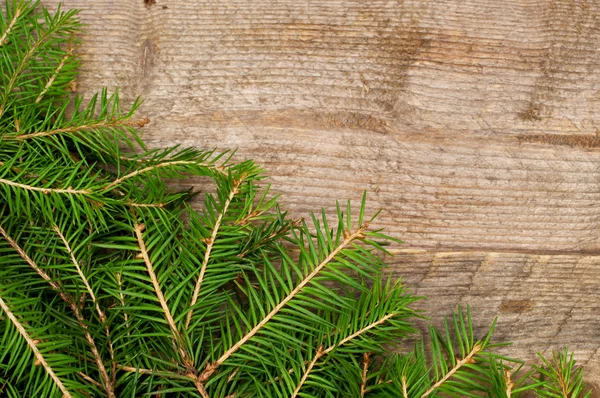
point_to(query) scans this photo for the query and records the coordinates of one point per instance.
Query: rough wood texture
(473, 123)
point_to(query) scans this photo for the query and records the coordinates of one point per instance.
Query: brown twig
(318, 355)
(509, 383)
(90, 380)
(157, 205)
(366, 363)
(18, 12)
(46, 190)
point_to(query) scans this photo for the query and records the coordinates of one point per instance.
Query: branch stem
(318, 355)
(459, 364)
(46, 190)
(404, 387)
(208, 251)
(18, 12)
(84, 127)
(157, 290)
(363, 384)
(100, 312)
(154, 167)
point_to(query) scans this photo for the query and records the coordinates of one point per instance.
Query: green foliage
(112, 285)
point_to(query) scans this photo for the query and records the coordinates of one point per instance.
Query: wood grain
(473, 124)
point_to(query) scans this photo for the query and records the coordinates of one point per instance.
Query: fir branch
(360, 332)
(108, 124)
(49, 33)
(209, 246)
(88, 288)
(270, 237)
(459, 364)
(108, 385)
(68, 55)
(320, 352)
(18, 11)
(328, 350)
(211, 368)
(135, 173)
(55, 286)
(81, 275)
(31, 343)
(139, 228)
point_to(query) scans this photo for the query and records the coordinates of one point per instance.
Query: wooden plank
(473, 124)
(543, 302)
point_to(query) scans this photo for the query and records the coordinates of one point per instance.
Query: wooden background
(474, 124)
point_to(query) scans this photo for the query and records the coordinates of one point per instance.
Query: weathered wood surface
(473, 123)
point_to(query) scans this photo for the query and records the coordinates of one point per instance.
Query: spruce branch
(67, 298)
(209, 246)
(61, 22)
(459, 364)
(99, 310)
(560, 376)
(46, 191)
(212, 367)
(360, 332)
(139, 228)
(33, 346)
(101, 124)
(17, 14)
(312, 363)
(67, 57)
(135, 173)
(54, 285)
